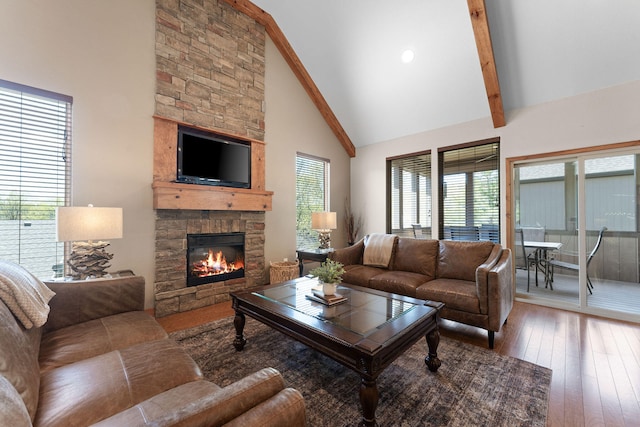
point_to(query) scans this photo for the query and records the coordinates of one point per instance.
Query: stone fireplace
(210, 64)
(173, 295)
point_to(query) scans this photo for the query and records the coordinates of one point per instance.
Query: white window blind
(312, 195)
(470, 192)
(409, 180)
(35, 169)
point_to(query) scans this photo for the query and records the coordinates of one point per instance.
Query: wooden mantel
(168, 194)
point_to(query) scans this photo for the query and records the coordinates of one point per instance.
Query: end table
(319, 255)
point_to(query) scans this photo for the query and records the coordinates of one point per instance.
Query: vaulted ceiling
(543, 50)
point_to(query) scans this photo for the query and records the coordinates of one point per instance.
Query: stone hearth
(172, 226)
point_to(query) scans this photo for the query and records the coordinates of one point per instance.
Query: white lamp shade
(323, 221)
(75, 223)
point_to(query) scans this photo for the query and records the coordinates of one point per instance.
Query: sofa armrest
(260, 397)
(80, 301)
(501, 291)
(284, 409)
(349, 255)
(482, 273)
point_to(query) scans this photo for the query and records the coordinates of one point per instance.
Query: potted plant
(330, 275)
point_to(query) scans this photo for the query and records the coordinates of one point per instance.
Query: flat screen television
(212, 159)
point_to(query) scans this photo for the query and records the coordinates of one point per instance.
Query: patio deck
(607, 294)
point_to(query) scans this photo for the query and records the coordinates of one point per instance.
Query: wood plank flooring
(595, 361)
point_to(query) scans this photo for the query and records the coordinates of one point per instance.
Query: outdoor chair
(417, 231)
(576, 267)
(530, 256)
(466, 233)
(489, 232)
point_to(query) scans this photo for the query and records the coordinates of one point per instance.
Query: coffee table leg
(238, 322)
(432, 361)
(369, 402)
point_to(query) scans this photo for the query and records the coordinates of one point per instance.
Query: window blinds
(35, 168)
(312, 195)
(410, 192)
(470, 192)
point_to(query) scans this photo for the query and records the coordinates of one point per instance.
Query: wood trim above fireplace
(168, 194)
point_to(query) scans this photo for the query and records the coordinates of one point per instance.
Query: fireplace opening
(214, 257)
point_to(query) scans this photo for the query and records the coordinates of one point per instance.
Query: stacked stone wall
(210, 62)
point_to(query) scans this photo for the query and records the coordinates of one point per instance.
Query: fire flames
(214, 264)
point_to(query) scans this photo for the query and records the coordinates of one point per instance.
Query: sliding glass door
(546, 202)
(575, 229)
(610, 254)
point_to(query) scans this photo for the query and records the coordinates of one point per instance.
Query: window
(312, 195)
(35, 168)
(470, 192)
(409, 192)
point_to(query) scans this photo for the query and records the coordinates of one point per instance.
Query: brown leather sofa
(473, 279)
(100, 359)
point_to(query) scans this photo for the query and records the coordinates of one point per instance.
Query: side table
(319, 255)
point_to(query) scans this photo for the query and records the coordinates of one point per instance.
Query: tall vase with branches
(352, 223)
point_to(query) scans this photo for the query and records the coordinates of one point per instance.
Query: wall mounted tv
(212, 159)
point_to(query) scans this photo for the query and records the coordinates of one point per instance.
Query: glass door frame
(579, 156)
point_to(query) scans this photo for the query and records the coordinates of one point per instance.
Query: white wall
(103, 55)
(606, 116)
(294, 124)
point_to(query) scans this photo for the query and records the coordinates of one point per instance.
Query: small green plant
(329, 271)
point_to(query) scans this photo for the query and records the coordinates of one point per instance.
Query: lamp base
(324, 237)
(89, 259)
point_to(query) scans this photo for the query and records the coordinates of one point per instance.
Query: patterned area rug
(474, 386)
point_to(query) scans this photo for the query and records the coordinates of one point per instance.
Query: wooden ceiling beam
(289, 55)
(480, 24)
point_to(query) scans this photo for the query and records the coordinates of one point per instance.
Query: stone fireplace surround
(210, 64)
(172, 227)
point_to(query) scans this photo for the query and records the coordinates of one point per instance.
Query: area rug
(473, 387)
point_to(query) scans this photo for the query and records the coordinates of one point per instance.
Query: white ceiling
(544, 50)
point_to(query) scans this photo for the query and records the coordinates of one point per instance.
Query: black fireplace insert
(214, 257)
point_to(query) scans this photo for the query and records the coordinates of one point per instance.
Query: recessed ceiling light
(407, 56)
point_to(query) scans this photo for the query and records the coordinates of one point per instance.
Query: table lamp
(85, 226)
(323, 223)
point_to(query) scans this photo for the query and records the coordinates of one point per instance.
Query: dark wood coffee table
(366, 333)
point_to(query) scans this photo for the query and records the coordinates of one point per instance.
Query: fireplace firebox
(214, 257)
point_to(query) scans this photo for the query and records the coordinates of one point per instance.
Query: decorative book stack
(318, 296)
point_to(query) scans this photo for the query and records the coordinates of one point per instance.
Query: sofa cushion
(455, 294)
(360, 274)
(459, 260)
(69, 395)
(417, 256)
(19, 358)
(79, 301)
(95, 337)
(398, 282)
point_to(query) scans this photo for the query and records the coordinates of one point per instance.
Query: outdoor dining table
(541, 254)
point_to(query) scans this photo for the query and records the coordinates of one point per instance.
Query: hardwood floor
(595, 361)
